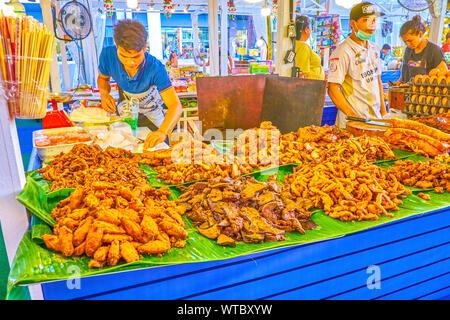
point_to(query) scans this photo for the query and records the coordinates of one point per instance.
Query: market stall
(282, 209)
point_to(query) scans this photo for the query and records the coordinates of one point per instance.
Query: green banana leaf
(34, 263)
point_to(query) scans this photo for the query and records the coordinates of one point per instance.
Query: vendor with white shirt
(139, 75)
(354, 76)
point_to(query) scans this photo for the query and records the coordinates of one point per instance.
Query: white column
(223, 38)
(13, 215)
(194, 19)
(213, 30)
(54, 66)
(154, 34)
(437, 21)
(283, 42)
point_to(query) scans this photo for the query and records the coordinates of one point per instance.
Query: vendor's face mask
(363, 35)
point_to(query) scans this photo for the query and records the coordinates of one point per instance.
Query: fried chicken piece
(80, 234)
(78, 214)
(69, 223)
(51, 241)
(109, 215)
(91, 201)
(79, 250)
(93, 239)
(173, 229)
(424, 196)
(128, 252)
(149, 227)
(101, 254)
(101, 185)
(179, 243)
(95, 264)
(109, 238)
(109, 227)
(133, 229)
(155, 247)
(76, 198)
(131, 214)
(113, 253)
(121, 202)
(65, 238)
(126, 193)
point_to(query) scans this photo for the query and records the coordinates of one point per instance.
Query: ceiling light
(132, 4)
(265, 11)
(347, 4)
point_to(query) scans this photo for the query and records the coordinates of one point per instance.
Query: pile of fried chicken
(243, 209)
(86, 164)
(309, 144)
(422, 174)
(193, 160)
(348, 189)
(109, 221)
(414, 136)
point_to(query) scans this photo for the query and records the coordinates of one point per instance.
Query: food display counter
(312, 213)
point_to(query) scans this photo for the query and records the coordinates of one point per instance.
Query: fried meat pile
(439, 121)
(315, 144)
(109, 222)
(243, 209)
(194, 160)
(413, 136)
(349, 189)
(422, 174)
(86, 164)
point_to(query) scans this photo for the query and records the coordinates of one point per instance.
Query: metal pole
(54, 67)
(213, 30)
(223, 38)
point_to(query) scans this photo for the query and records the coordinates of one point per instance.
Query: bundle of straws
(26, 48)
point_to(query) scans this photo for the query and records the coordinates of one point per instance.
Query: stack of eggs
(428, 94)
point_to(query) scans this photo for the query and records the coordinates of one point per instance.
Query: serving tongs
(368, 121)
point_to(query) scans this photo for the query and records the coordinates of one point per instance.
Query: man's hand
(395, 83)
(153, 139)
(108, 103)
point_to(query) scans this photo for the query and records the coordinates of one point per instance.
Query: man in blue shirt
(138, 74)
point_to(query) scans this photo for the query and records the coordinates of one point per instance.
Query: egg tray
(441, 84)
(425, 110)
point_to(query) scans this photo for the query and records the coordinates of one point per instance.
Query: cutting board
(358, 128)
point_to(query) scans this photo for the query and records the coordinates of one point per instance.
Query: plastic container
(129, 112)
(48, 153)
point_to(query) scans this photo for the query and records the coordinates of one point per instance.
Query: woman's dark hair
(386, 47)
(301, 23)
(414, 26)
(448, 35)
(130, 35)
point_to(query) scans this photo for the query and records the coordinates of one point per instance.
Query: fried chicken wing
(109, 215)
(149, 227)
(133, 229)
(51, 241)
(173, 229)
(65, 238)
(114, 253)
(81, 232)
(128, 252)
(93, 240)
(154, 247)
(101, 254)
